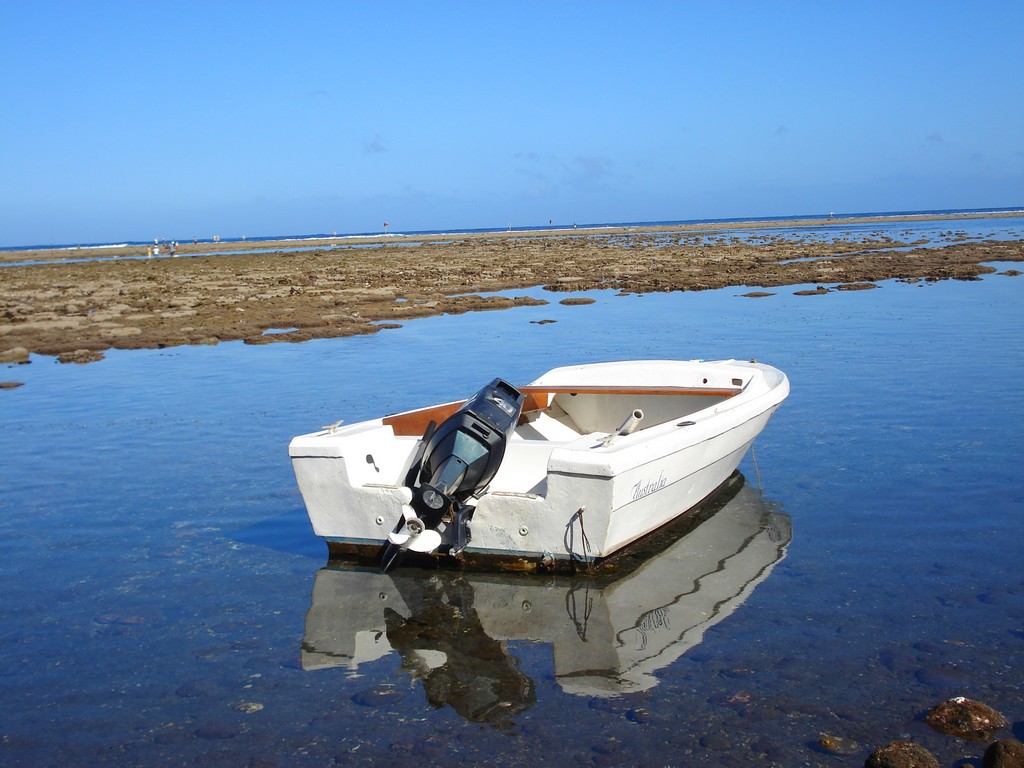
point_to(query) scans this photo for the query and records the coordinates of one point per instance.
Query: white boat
(557, 474)
(609, 634)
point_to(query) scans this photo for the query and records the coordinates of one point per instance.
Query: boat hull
(555, 504)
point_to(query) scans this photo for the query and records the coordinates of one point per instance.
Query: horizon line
(550, 227)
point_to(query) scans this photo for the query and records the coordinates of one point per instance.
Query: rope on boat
(583, 537)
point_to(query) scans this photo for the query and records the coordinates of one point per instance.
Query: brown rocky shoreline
(79, 309)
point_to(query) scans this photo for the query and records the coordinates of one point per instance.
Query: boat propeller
(454, 463)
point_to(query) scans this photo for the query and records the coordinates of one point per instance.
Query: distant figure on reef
(156, 250)
(149, 252)
(173, 247)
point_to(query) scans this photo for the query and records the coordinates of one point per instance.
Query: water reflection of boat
(610, 632)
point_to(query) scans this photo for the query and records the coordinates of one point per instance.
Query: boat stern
(352, 480)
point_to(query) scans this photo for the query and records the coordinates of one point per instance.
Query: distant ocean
(528, 228)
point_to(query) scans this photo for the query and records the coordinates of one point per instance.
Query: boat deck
(594, 408)
(580, 418)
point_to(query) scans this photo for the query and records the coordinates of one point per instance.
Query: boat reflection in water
(610, 631)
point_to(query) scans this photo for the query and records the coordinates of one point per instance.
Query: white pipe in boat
(628, 426)
(631, 422)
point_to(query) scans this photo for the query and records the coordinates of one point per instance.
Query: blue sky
(127, 121)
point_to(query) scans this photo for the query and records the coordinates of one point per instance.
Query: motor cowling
(462, 456)
(456, 461)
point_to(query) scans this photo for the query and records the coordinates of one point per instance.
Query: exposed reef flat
(319, 291)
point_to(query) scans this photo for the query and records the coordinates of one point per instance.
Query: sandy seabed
(306, 289)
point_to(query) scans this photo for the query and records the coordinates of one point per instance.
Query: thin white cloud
(590, 172)
(374, 146)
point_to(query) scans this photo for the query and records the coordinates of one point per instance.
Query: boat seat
(552, 426)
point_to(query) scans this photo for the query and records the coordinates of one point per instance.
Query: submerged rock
(819, 291)
(901, 754)
(856, 287)
(80, 356)
(17, 355)
(217, 731)
(965, 719)
(838, 745)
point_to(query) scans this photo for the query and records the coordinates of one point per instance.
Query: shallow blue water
(158, 565)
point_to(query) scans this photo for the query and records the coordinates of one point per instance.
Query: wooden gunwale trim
(414, 423)
(631, 390)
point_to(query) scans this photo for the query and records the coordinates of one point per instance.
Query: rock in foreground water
(901, 754)
(1005, 753)
(965, 719)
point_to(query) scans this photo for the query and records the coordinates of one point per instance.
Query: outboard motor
(458, 461)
